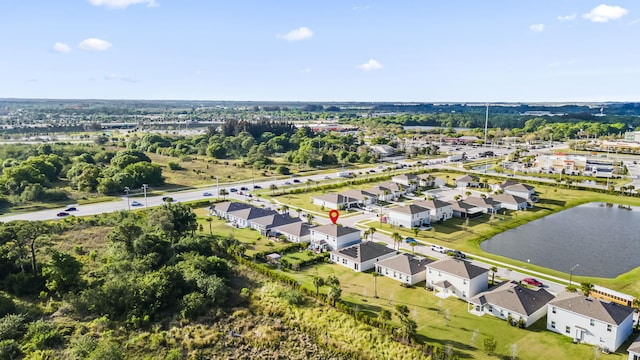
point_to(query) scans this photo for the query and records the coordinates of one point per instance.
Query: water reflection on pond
(603, 238)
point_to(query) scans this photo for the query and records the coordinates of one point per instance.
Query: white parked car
(440, 249)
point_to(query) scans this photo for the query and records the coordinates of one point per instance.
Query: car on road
(167, 199)
(532, 282)
(438, 248)
(62, 214)
(233, 190)
(287, 182)
(296, 181)
(410, 240)
(136, 203)
(71, 208)
(257, 187)
(456, 254)
(327, 177)
(206, 193)
(244, 188)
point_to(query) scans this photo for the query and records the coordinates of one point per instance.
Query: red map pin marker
(333, 215)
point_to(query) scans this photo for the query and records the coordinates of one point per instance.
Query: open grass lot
(463, 331)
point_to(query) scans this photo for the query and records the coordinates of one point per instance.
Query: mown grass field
(447, 321)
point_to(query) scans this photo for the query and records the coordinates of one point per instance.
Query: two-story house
(454, 277)
(409, 216)
(334, 236)
(438, 209)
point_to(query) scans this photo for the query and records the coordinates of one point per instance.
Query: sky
(284, 50)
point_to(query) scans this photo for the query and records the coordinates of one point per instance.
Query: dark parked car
(296, 181)
(233, 190)
(457, 254)
(244, 188)
(532, 282)
(257, 187)
(62, 214)
(70, 208)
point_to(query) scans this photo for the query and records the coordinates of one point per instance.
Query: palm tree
(397, 238)
(310, 218)
(494, 270)
(413, 244)
(224, 193)
(372, 231)
(273, 188)
(636, 305)
(586, 288)
(318, 282)
(416, 231)
(209, 220)
(366, 234)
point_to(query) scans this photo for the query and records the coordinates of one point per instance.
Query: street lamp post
(126, 190)
(217, 187)
(571, 273)
(144, 188)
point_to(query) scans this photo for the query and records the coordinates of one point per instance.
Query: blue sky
(429, 51)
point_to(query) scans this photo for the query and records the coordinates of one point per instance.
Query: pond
(604, 239)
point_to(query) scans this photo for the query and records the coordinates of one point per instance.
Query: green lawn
(462, 331)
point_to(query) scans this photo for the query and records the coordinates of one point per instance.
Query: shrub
(41, 335)
(11, 326)
(9, 349)
(107, 351)
(83, 346)
(174, 165)
(7, 306)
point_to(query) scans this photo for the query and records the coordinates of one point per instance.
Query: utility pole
(486, 124)
(126, 190)
(217, 187)
(144, 188)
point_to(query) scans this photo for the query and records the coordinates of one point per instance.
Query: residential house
(520, 190)
(589, 320)
(334, 201)
(463, 210)
(266, 223)
(335, 236)
(242, 218)
(363, 198)
(634, 350)
(383, 150)
(455, 277)
(511, 202)
(405, 268)
(296, 232)
(512, 301)
(409, 216)
(408, 181)
(362, 256)
(387, 191)
(426, 180)
(222, 210)
(487, 205)
(438, 209)
(467, 181)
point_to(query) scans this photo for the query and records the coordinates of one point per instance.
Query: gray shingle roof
(480, 202)
(509, 199)
(409, 209)
(335, 230)
(335, 198)
(460, 268)
(251, 213)
(608, 312)
(432, 204)
(358, 194)
(229, 206)
(467, 178)
(635, 346)
(298, 229)
(406, 264)
(519, 187)
(274, 220)
(364, 251)
(513, 297)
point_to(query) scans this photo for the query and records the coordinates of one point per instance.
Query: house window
(553, 324)
(464, 294)
(567, 329)
(592, 322)
(553, 309)
(464, 282)
(344, 261)
(609, 328)
(490, 308)
(355, 266)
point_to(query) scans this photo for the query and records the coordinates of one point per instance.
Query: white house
(520, 190)
(467, 181)
(512, 301)
(408, 181)
(387, 191)
(438, 209)
(406, 268)
(267, 223)
(335, 236)
(588, 320)
(426, 180)
(243, 218)
(511, 202)
(454, 277)
(221, 210)
(362, 256)
(634, 350)
(409, 216)
(463, 210)
(488, 206)
(296, 232)
(334, 201)
(362, 197)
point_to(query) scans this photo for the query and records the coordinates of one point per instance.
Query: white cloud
(298, 34)
(61, 47)
(118, 77)
(94, 44)
(567, 17)
(370, 65)
(536, 27)
(121, 4)
(603, 13)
